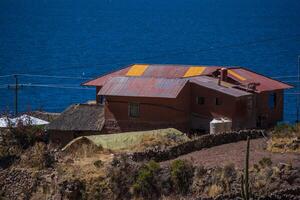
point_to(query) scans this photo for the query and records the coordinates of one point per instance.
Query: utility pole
(16, 94)
(298, 90)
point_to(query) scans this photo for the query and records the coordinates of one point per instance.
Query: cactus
(245, 177)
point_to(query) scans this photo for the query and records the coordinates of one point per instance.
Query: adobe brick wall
(154, 113)
(231, 107)
(272, 115)
(113, 126)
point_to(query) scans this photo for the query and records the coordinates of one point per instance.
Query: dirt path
(235, 153)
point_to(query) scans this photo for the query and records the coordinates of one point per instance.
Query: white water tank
(216, 126)
(227, 124)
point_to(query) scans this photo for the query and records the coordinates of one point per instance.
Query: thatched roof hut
(79, 117)
(77, 120)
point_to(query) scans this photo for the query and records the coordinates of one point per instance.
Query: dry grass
(283, 145)
(214, 190)
(81, 147)
(149, 141)
(86, 167)
(285, 138)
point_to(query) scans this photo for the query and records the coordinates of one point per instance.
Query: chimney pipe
(223, 75)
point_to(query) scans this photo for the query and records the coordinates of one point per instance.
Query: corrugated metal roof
(156, 71)
(178, 71)
(245, 76)
(165, 71)
(101, 80)
(241, 75)
(143, 87)
(212, 83)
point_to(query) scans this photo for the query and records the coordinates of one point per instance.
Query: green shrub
(182, 174)
(265, 162)
(26, 136)
(72, 189)
(223, 177)
(145, 183)
(97, 188)
(122, 174)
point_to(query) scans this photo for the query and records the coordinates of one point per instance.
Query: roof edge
(289, 86)
(105, 74)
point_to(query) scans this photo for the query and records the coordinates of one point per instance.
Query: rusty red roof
(241, 75)
(212, 83)
(99, 81)
(143, 87)
(245, 76)
(157, 71)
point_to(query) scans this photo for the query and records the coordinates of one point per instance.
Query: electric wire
(47, 76)
(48, 85)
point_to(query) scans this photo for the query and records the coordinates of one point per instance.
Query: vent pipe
(223, 74)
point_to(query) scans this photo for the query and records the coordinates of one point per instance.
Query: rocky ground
(31, 168)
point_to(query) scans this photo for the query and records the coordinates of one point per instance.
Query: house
(144, 97)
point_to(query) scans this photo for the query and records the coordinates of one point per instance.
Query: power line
(284, 77)
(292, 93)
(48, 86)
(292, 81)
(47, 76)
(5, 76)
(86, 78)
(53, 76)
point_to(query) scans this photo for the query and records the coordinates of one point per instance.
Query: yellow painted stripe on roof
(236, 75)
(137, 70)
(194, 71)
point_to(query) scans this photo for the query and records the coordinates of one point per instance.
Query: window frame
(101, 99)
(218, 101)
(130, 106)
(200, 100)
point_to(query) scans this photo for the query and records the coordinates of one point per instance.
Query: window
(272, 100)
(218, 101)
(134, 110)
(101, 99)
(200, 100)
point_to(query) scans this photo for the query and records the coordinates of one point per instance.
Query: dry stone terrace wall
(17, 184)
(286, 194)
(205, 141)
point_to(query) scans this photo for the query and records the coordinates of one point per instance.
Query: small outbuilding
(77, 120)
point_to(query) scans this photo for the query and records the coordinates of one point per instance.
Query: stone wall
(286, 194)
(202, 142)
(17, 184)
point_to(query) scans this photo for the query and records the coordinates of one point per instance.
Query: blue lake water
(87, 38)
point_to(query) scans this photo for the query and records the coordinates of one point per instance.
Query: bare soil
(235, 153)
